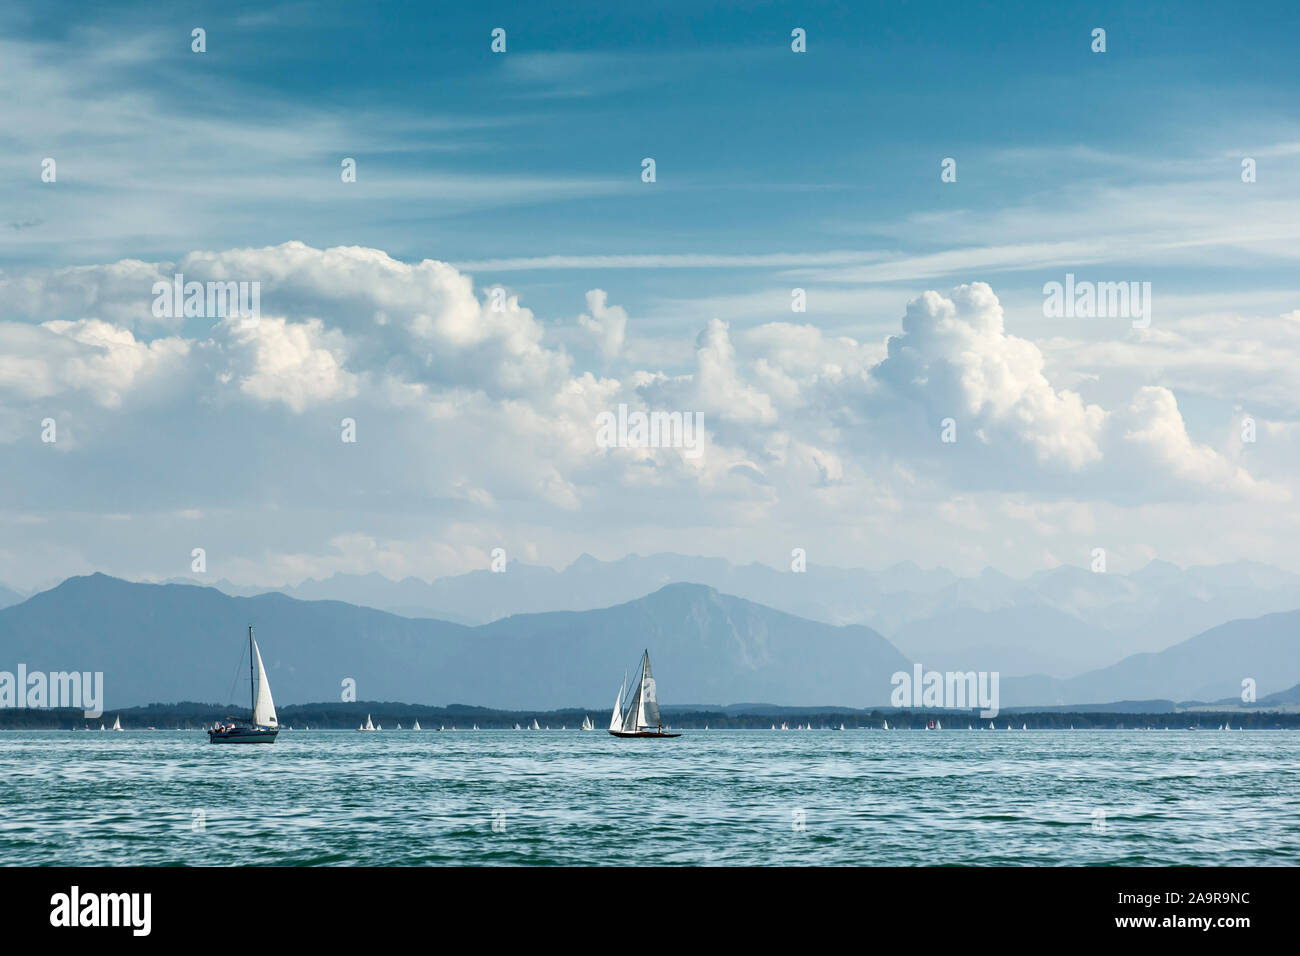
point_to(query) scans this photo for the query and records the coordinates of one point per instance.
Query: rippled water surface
(712, 797)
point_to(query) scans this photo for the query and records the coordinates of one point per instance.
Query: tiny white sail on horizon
(117, 723)
(416, 725)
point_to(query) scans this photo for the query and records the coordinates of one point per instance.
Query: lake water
(709, 797)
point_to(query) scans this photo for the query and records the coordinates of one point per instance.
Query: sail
(263, 705)
(616, 719)
(117, 723)
(416, 725)
(369, 725)
(632, 716)
(649, 702)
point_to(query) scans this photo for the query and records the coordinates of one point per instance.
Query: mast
(252, 682)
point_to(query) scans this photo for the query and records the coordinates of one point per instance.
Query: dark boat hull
(642, 733)
(242, 735)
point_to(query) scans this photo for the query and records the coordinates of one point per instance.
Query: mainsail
(263, 705)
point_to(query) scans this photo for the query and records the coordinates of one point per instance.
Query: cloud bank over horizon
(951, 441)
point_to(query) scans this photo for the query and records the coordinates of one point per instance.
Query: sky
(1175, 437)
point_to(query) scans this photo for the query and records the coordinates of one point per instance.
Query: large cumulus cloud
(471, 416)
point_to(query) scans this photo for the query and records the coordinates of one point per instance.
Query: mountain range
(181, 642)
(1059, 623)
(172, 642)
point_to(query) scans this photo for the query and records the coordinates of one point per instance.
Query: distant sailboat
(938, 725)
(534, 726)
(264, 726)
(399, 725)
(587, 724)
(991, 727)
(784, 725)
(640, 718)
(517, 727)
(415, 726)
(476, 726)
(102, 727)
(117, 723)
(841, 726)
(1024, 726)
(367, 725)
(886, 725)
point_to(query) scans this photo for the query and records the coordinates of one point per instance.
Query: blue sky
(775, 170)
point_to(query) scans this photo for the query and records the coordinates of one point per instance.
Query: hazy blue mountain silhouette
(1207, 667)
(182, 642)
(1062, 623)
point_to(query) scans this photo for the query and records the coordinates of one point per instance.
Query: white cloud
(606, 324)
(469, 418)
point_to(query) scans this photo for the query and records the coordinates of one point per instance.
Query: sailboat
(938, 725)
(102, 727)
(399, 726)
(1024, 726)
(476, 726)
(587, 724)
(534, 726)
(367, 725)
(886, 725)
(517, 727)
(415, 726)
(264, 726)
(117, 722)
(841, 726)
(640, 718)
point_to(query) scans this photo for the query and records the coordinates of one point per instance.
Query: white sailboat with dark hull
(264, 726)
(640, 716)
